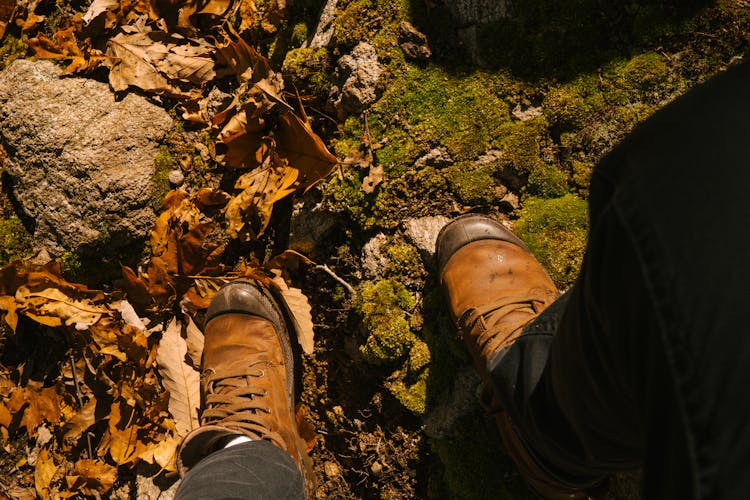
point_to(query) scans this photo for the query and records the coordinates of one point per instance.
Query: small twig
(349, 288)
(75, 382)
(88, 441)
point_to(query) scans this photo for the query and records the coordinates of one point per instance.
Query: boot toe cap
(243, 296)
(467, 229)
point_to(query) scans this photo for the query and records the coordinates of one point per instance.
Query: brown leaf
(83, 419)
(162, 452)
(303, 150)
(55, 307)
(44, 472)
(65, 46)
(179, 378)
(9, 304)
(98, 476)
(5, 416)
(194, 342)
(38, 405)
(136, 288)
(260, 189)
(301, 313)
(306, 429)
(154, 61)
(373, 178)
(124, 446)
(7, 9)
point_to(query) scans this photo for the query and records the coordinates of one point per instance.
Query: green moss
(404, 261)
(163, 163)
(72, 266)
(555, 230)
(646, 71)
(12, 48)
(565, 108)
(307, 69)
(15, 241)
(383, 306)
(419, 356)
(522, 144)
(430, 107)
(582, 177)
(475, 464)
(299, 34)
(413, 396)
(353, 22)
(472, 185)
(547, 181)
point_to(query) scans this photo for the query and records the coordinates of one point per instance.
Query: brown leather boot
(247, 380)
(494, 288)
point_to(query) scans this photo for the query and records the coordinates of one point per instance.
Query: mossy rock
(472, 185)
(556, 230)
(565, 108)
(383, 306)
(307, 69)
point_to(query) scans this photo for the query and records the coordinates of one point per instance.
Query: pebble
(176, 178)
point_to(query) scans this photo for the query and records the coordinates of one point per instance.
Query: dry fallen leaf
(303, 150)
(194, 342)
(300, 311)
(98, 476)
(179, 378)
(373, 178)
(44, 472)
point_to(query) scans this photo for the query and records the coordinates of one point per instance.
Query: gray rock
(526, 114)
(359, 73)
(81, 163)
(413, 42)
(423, 232)
(324, 29)
(374, 262)
(438, 158)
(308, 228)
(176, 178)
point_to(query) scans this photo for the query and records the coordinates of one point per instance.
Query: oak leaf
(82, 420)
(44, 472)
(98, 476)
(303, 150)
(300, 312)
(179, 378)
(124, 446)
(194, 342)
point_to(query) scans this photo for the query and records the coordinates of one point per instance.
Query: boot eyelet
(262, 374)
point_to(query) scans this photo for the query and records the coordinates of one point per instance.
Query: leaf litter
(122, 386)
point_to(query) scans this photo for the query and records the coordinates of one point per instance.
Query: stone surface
(324, 29)
(438, 158)
(358, 74)
(423, 232)
(374, 262)
(308, 229)
(81, 163)
(413, 42)
(176, 178)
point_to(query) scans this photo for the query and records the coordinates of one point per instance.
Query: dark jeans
(646, 360)
(254, 470)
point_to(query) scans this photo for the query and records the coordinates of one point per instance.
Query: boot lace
(490, 329)
(235, 401)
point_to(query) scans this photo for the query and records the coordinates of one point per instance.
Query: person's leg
(256, 469)
(647, 361)
(248, 444)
